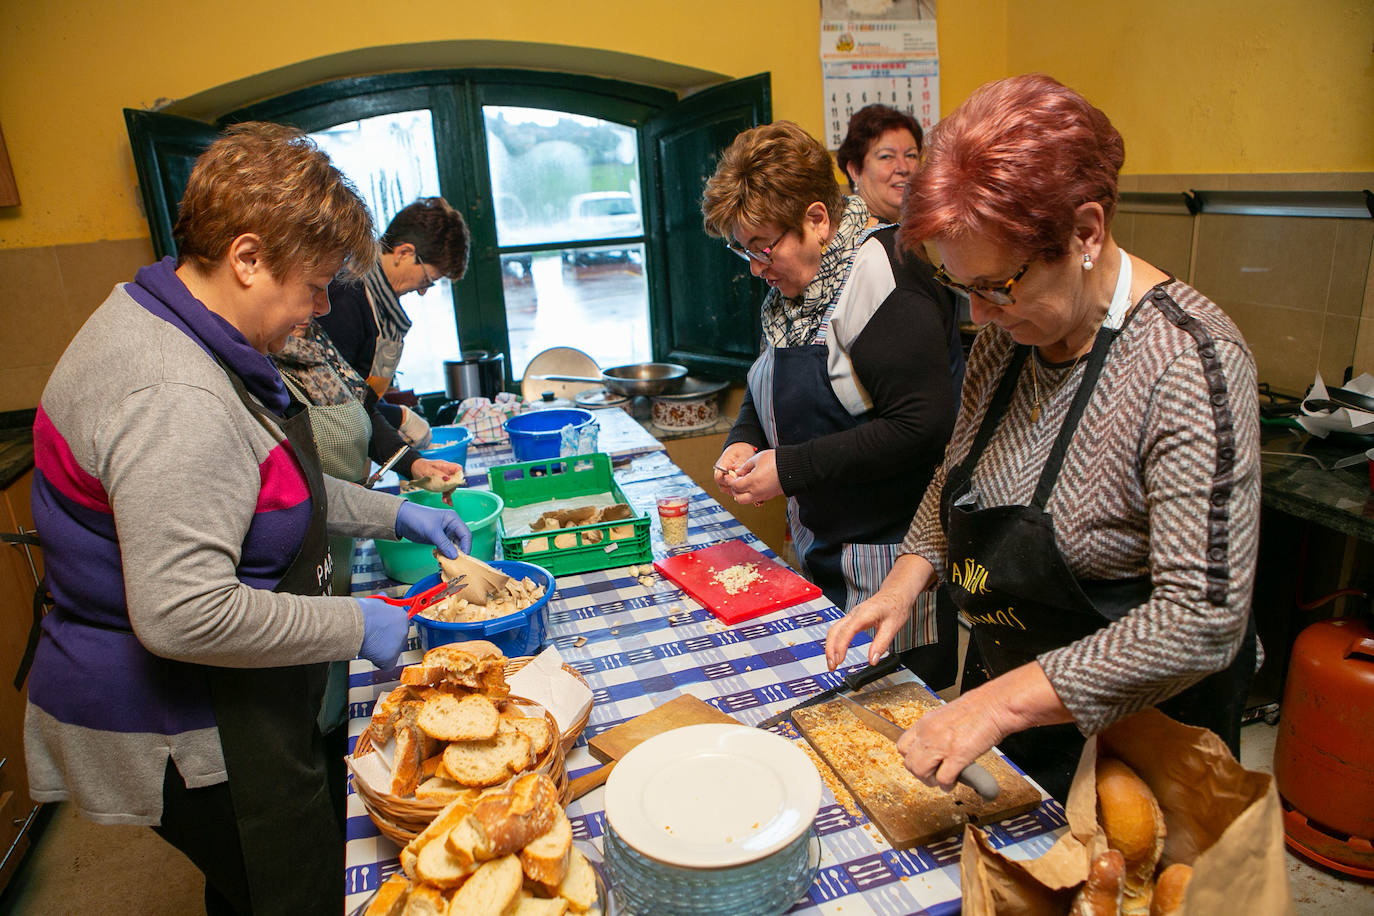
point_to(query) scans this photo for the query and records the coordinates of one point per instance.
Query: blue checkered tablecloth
(640, 647)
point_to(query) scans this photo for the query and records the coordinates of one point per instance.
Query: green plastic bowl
(406, 561)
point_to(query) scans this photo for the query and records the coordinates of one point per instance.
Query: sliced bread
(425, 900)
(491, 890)
(390, 899)
(489, 762)
(451, 718)
(514, 818)
(407, 760)
(579, 884)
(443, 822)
(545, 859)
(436, 865)
(537, 730)
(529, 905)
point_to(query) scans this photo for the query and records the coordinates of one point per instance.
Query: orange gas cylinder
(1324, 755)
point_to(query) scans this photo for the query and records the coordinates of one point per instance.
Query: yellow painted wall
(1267, 85)
(1220, 86)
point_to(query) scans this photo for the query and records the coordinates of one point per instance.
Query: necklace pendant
(1035, 413)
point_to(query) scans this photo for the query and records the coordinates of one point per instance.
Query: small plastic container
(672, 514)
(407, 561)
(448, 443)
(537, 434)
(516, 635)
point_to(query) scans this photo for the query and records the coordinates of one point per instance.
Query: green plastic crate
(565, 478)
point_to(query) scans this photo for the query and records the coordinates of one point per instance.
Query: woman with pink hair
(1096, 513)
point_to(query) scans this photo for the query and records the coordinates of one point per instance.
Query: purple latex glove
(385, 630)
(441, 527)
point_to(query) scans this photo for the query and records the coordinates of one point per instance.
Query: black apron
(1013, 586)
(291, 836)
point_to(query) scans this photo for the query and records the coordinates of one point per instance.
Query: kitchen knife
(852, 682)
(974, 775)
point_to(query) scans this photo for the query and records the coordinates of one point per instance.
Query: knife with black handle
(852, 682)
(975, 776)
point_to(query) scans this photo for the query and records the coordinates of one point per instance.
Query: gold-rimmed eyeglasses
(996, 293)
(763, 255)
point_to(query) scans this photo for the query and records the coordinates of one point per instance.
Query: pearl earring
(1087, 261)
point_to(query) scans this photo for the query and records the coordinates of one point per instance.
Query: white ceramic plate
(559, 361)
(707, 796)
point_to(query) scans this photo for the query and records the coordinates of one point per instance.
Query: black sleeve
(350, 326)
(393, 412)
(902, 359)
(747, 427)
(385, 439)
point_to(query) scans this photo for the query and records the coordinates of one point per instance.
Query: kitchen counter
(1296, 481)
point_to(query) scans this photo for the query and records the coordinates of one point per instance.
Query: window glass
(391, 161)
(562, 178)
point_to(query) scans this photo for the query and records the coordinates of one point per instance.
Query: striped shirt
(1148, 486)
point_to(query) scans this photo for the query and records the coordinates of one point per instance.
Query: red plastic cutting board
(779, 588)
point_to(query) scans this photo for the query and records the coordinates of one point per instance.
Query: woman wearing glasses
(424, 243)
(853, 396)
(1096, 513)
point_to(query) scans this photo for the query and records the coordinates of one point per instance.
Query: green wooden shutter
(706, 305)
(165, 148)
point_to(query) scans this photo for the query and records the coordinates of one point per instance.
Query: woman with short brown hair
(852, 397)
(880, 151)
(184, 518)
(1096, 513)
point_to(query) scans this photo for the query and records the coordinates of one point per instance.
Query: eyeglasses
(428, 281)
(763, 255)
(997, 293)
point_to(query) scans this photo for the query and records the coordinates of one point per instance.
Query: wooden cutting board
(907, 812)
(618, 740)
(777, 588)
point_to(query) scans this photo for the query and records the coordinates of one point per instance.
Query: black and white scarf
(392, 321)
(794, 321)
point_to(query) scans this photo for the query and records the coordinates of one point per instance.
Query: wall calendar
(878, 51)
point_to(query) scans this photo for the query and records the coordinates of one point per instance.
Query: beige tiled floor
(78, 867)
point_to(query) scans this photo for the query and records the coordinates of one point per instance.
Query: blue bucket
(449, 443)
(516, 635)
(538, 433)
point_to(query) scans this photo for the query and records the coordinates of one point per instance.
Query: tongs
(430, 596)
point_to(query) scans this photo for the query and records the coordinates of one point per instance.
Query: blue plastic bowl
(450, 443)
(516, 635)
(537, 433)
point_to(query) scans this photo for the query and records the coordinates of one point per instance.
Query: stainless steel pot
(633, 380)
(477, 373)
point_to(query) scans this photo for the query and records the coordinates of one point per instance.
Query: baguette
(407, 761)
(390, 899)
(1170, 890)
(491, 890)
(545, 859)
(510, 820)
(1101, 893)
(1134, 825)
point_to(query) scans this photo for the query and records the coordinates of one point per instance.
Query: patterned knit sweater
(1142, 478)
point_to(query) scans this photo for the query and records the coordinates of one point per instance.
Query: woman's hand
(946, 739)
(729, 461)
(888, 610)
(756, 479)
(440, 527)
(432, 467)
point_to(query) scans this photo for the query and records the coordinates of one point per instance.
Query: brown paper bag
(1221, 818)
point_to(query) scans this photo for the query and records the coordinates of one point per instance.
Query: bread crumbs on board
(832, 782)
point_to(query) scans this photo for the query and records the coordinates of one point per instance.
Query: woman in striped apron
(854, 392)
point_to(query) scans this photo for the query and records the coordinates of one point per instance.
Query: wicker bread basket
(571, 733)
(401, 819)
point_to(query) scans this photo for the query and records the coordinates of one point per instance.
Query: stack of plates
(712, 819)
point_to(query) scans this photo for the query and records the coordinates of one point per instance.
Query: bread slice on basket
(390, 899)
(491, 891)
(475, 663)
(438, 828)
(489, 762)
(453, 718)
(545, 859)
(578, 886)
(537, 730)
(1134, 825)
(539, 906)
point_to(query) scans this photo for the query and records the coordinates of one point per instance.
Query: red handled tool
(430, 596)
